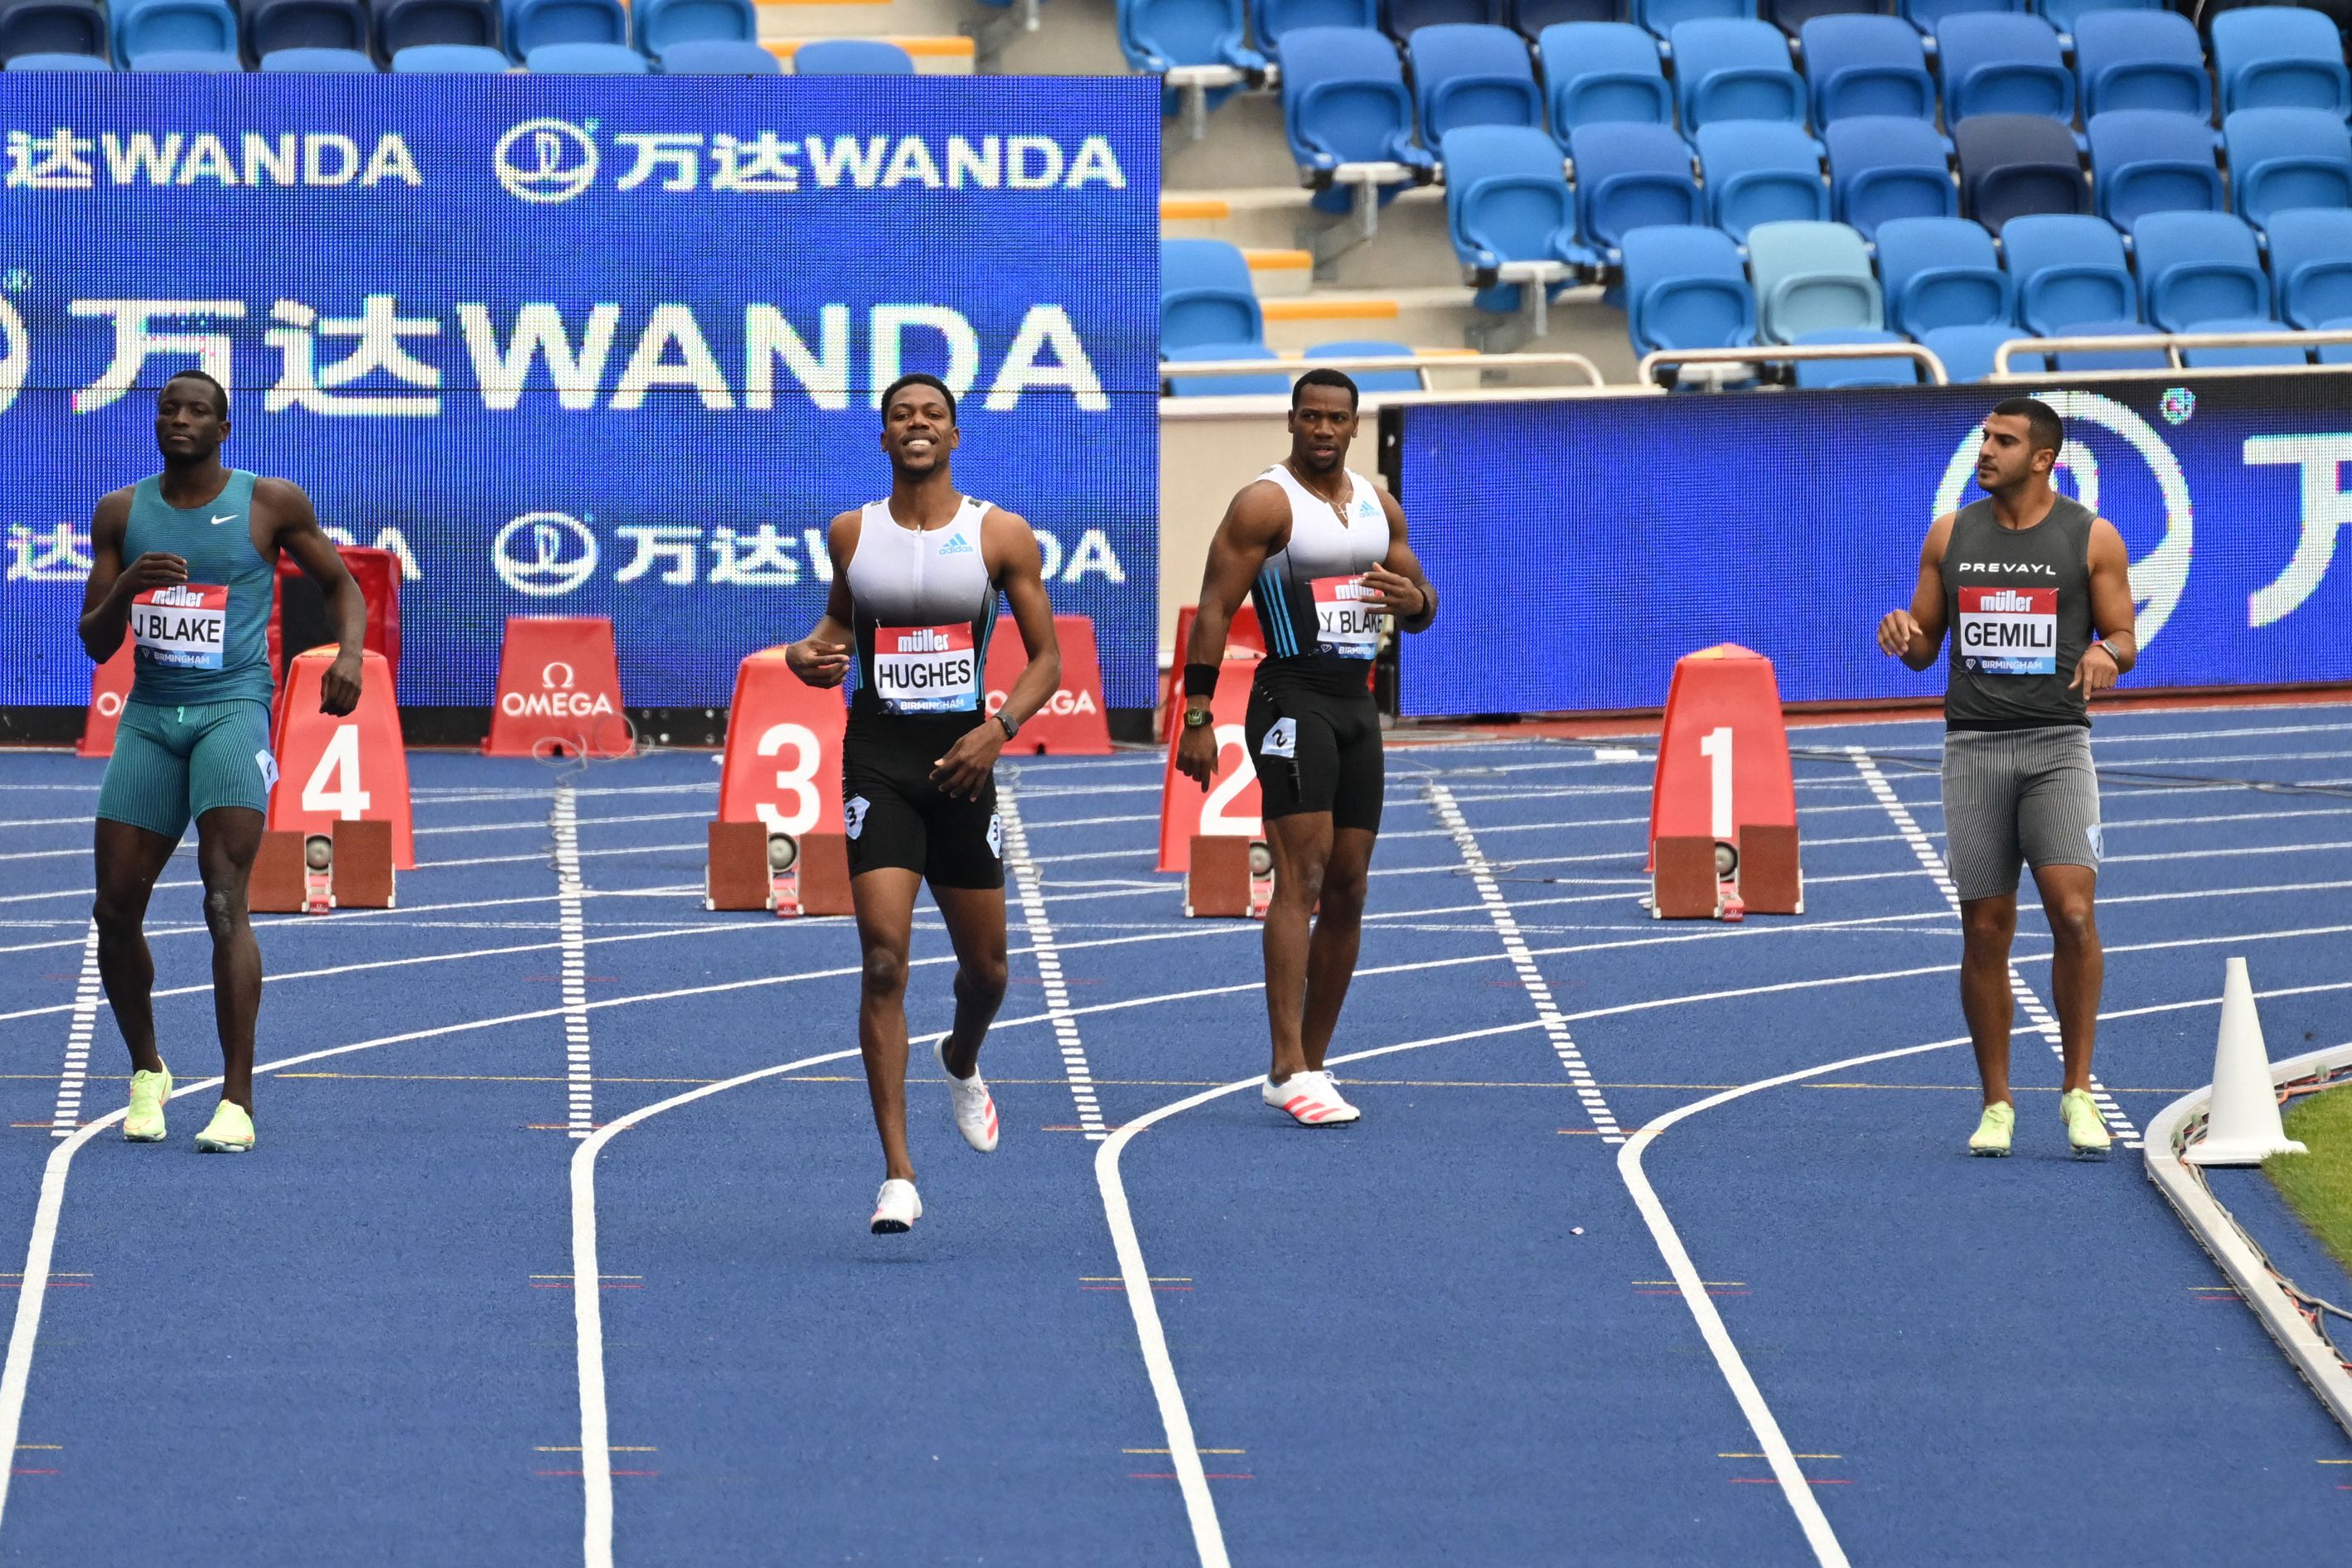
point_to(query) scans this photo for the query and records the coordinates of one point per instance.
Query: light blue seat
(1662, 16)
(174, 26)
(656, 24)
(1812, 278)
(1684, 289)
(1628, 177)
(1275, 384)
(2282, 158)
(1968, 352)
(2067, 16)
(719, 57)
(2219, 356)
(451, 60)
(1734, 71)
(1867, 64)
(1205, 296)
(2069, 270)
(2150, 160)
(532, 23)
(1759, 171)
(1161, 36)
(2197, 267)
(1272, 21)
(319, 62)
(1344, 103)
(1882, 168)
(1937, 272)
(1373, 380)
(1829, 374)
(1602, 71)
(48, 62)
(1506, 202)
(2311, 265)
(1466, 75)
(1928, 15)
(2002, 63)
(2141, 59)
(852, 56)
(209, 61)
(2280, 57)
(2012, 164)
(586, 59)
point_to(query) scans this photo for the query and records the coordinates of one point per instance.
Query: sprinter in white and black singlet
(1323, 551)
(915, 585)
(2022, 579)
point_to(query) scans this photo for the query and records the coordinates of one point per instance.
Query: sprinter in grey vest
(185, 565)
(2021, 580)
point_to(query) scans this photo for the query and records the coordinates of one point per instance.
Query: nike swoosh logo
(230, 518)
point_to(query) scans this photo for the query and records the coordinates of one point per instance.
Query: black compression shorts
(896, 817)
(1315, 737)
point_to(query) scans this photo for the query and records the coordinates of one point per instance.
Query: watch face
(1197, 718)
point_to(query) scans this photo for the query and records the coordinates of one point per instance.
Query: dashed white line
(1028, 890)
(564, 819)
(72, 1081)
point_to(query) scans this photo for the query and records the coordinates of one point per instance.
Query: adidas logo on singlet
(958, 545)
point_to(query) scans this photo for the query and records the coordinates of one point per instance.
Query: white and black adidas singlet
(923, 606)
(1310, 598)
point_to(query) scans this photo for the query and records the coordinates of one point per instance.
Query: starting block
(1723, 804)
(333, 771)
(755, 866)
(1229, 876)
(349, 867)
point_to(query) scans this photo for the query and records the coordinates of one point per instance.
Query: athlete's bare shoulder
(2105, 544)
(1940, 539)
(1007, 543)
(841, 535)
(111, 515)
(1259, 514)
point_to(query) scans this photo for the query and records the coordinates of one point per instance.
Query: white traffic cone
(2242, 1126)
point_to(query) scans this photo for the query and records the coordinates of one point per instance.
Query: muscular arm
(1255, 526)
(1914, 636)
(295, 528)
(2112, 615)
(106, 597)
(1010, 546)
(1403, 587)
(822, 657)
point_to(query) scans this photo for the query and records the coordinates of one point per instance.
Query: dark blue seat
(44, 62)
(656, 24)
(2016, 163)
(534, 24)
(1158, 36)
(2282, 158)
(1662, 16)
(1205, 297)
(1883, 168)
(2141, 59)
(1403, 18)
(1602, 71)
(1344, 103)
(1373, 380)
(52, 28)
(1630, 177)
(318, 63)
(1829, 374)
(408, 24)
(1466, 75)
(1928, 15)
(2002, 63)
(183, 28)
(1532, 17)
(2067, 16)
(1759, 171)
(1939, 272)
(2150, 160)
(2199, 266)
(2280, 57)
(1272, 21)
(586, 59)
(852, 56)
(453, 59)
(266, 26)
(1509, 213)
(1791, 16)
(1736, 70)
(1273, 384)
(1686, 288)
(2069, 270)
(719, 57)
(1968, 352)
(1867, 64)
(2311, 265)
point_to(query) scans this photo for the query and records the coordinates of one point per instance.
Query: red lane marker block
(352, 769)
(559, 684)
(1229, 807)
(1244, 639)
(110, 688)
(377, 571)
(1073, 722)
(783, 764)
(1723, 768)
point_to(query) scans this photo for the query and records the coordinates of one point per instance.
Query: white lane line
(76, 1075)
(2037, 1016)
(1027, 885)
(564, 819)
(1515, 945)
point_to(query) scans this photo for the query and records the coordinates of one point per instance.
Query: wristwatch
(1198, 718)
(1012, 727)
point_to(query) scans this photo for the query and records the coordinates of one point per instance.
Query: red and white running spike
(975, 1108)
(1309, 1098)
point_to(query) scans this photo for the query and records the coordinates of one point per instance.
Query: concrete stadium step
(1245, 147)
(1443, 317)
(1410, 249)
(934, 54)
(1276, 274)
(861, 18)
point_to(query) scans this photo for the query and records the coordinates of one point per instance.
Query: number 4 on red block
(352, 769)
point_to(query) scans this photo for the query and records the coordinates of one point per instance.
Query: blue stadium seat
(1867, 64)
(41, 62)
(2150, 160)
(1344, 101)
(1275, 384)
(1937, 272)
(2141, 59)
(2015, 164)
(1271, 21)
(852, 56)
(2002, 63)
(51, 28)
(656, 24)
(1882, 168)
(318, 63)
(1828, 374)
(2072, 360)
(533, 24)
(1928, 15)
(452, 60)
(1734, 71)
(2066, 15)
(1630, 177)
(1662, 16)
(174, 26)
(2199, 267)
(1205, 297)
(1158, 34)
(1791, 16)
(265, 26)
(2218, 356)
(1684, 289)
(2311, 265)
(1968, 352)
(1759, 171)
(586, 59)
(1373, 380)
(209, 61)
(1812, 278)
(1507, 200)
(2280, 57)
(2069, 270)
(1403, 18)
(2282, 158)
(408, 23)
(1466, 75)
(719, 57)
(1602, 71)
(1532, 17)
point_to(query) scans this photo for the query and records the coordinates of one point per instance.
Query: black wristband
(1199, 680)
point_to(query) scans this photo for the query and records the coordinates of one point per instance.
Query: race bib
(2009, 631)
(926, 669)
(1344, 624)
(184, 626)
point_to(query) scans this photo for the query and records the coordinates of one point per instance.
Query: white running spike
(2242, 1126)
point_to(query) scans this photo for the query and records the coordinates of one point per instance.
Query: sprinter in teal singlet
(183, 565)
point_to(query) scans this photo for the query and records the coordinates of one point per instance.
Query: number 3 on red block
(1230, 805)
(783, 750)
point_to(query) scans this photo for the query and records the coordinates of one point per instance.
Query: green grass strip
(2318, 1185)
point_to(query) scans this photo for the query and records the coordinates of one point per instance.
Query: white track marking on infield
(1028, 889)
(1523, 964)
(564, 819)
(76, 1076)
(2037, 1016)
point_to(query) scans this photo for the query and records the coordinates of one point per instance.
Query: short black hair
(220, 392)
(918, 378)
(2043, 429)
(1324, 376)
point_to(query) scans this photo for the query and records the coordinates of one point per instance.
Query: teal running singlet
(207, 639)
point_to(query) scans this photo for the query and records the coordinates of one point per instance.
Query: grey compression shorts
(2018, 796)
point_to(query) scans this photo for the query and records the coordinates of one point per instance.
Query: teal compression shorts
(172, 763)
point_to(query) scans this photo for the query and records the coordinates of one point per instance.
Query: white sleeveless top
(1307, 592)
(923, 605)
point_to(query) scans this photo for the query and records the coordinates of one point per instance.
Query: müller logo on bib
(2009, 631)
(926, 669)
(183, 626)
